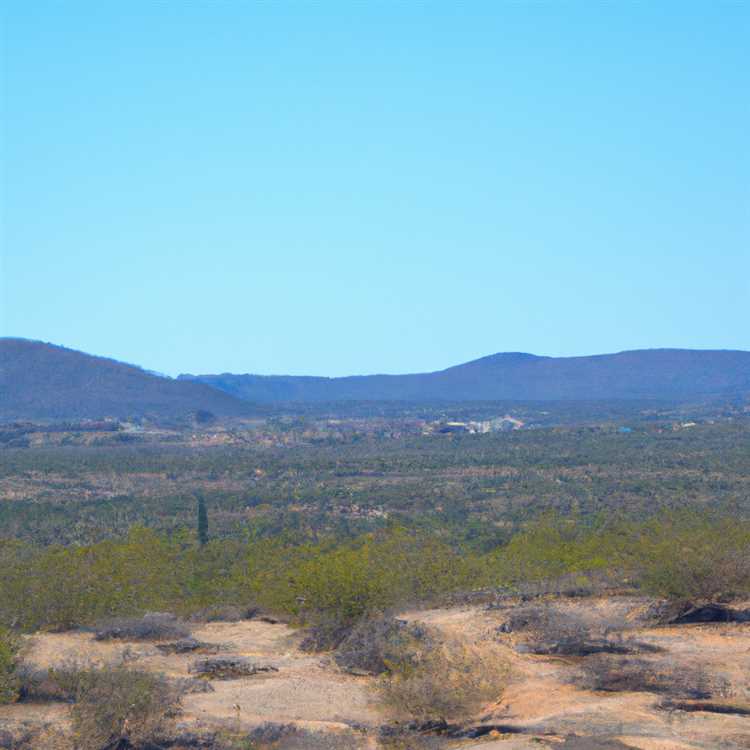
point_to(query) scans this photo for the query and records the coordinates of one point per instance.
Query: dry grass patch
(549, 630)
(120, 705)
(376, 642)
(621, 674)
(60, 683)
(445, 679)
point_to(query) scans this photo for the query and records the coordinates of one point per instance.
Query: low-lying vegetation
(9, 647)
(376, 644)
(610, 673)
(335, 583)
(547, 629)
(330, 536)
(113, 705)
(120, 705)
(61, 683)
(188, 645)
(704, 706)
(478, 487)
(445, 679)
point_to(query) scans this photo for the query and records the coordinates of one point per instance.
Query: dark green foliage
(202, 521)
(475, 489)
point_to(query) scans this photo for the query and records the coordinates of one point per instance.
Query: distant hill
(43, 381)
(661, 374)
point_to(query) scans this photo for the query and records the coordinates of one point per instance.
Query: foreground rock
(188, 646)
(227, 668)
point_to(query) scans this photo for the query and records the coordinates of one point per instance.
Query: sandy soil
(305, 689)
(541, 700)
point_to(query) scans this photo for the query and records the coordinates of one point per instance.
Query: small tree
(202, 521)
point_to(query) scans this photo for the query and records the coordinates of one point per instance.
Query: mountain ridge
(659, 374)
(39, 380)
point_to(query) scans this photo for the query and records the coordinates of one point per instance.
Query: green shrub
(683, 555)
(9, 646)
(551, 548)
(335, 582)
(339, 584)
(693, 557)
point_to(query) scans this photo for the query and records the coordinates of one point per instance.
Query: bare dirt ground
(541, 707)
(542, 700)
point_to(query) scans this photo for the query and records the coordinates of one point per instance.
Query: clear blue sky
(348, 187)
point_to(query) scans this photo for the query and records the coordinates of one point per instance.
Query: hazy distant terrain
(42, 381)
(663, 374)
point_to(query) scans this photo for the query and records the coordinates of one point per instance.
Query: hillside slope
(43, 381)
(664, 374)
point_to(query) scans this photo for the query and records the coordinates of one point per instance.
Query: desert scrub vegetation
(9, 647)
(55, 684)
(442, 679)
(694, 558)
(609, 673)
(683, 555)
(334, 582)
(343, 582)
(227, 668)
(117, 704)
(113, 705)
(550, 628)
(374, 644)
(59, 588)
(504, 477)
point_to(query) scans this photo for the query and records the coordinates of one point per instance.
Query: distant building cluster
(497, 424)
